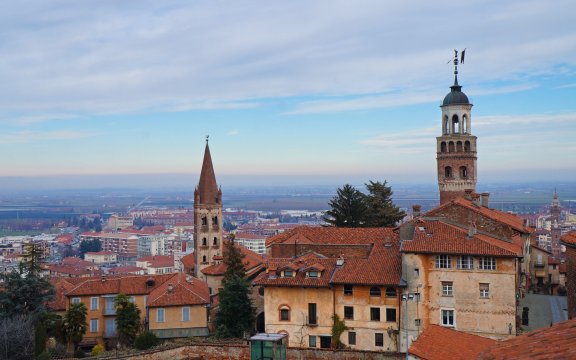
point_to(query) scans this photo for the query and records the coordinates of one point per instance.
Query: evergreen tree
(235, 315)
(127, 319)
(93, 245)
(348, 208)
(381, 210)
(75, 325)
(31, 259)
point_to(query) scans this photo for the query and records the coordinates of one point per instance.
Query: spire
(207, 187)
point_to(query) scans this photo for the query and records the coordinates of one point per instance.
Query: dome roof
(455, 96)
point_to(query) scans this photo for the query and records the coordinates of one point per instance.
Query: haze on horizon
(329, 92)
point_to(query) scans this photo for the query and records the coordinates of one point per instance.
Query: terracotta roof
(441, 343)
(207, 187)
(511, 220)
(245, 235)
(188, 261)
(180, 290)
(125, 270)
(569, 239)
(157, 261)
(125, 284)
(331, 235)
(71, 270)
(65, 238)
(272, 278)
(437, 237)
(554, 342)
(75, 261)
(61, 286)
(251, 261)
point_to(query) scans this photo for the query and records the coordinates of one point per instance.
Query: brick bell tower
(456, 147)
(207, 217)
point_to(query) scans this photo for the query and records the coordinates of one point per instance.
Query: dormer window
(288, 273)
(313, 273)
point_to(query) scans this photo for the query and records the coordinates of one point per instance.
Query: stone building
(569, 240)
(207, 218)
(555, 229)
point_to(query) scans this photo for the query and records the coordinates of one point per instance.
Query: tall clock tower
(456, 147)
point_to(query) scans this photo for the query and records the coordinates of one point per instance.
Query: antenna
(207, 136)
(457, 61)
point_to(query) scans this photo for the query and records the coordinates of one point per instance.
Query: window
(351, 338)
(349, 312)
(443, 262)
(204, 220)
(448, 170)
(284, 313)
(447, 317)
(375, 314)
(215, 241)
(487, 263)
(204, 241)
(94, 303)
(204, 259)
(132, 299)
(215, 220)
(465, 262)
(312, 341)
(463, 172)
(416, 272)
(186, 313)
(313, 274)
(379, 339)
(348, 290)
(391, 315)
(288, 273)
(93, 325)
(312, 319)
(76, 300)
(160, 315)
(447, 288)
(390, 292)
(374, 291)
(485, 291)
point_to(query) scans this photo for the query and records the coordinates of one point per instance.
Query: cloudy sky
(290, 89)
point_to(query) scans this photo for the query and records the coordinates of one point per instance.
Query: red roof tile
(441, 343)
(251, 261)
(126, 284)
(437, 237)
(569, 239)
(180, 290)
(554, 342)
(129, 269)
(157, 261)
(188, 261)
(61, 286)
(300, 264)
(331, 235)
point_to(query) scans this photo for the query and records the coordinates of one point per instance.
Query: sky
(289, 91)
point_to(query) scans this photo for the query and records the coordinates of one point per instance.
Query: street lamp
(405, 298)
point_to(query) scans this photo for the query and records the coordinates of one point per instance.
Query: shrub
(79, 353)
(97, 350)
(45, 355)
(145, 340)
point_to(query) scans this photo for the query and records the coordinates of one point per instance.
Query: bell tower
(207, 217)
(456, 147)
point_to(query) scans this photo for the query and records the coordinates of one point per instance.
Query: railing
(109, 311)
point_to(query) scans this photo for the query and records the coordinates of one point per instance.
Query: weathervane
(207, 136)
(456, 62)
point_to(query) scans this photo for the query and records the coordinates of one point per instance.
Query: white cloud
(32, 136)
(233, 132)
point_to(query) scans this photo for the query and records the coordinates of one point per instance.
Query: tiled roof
(569, 239)
(61, 286)
(74, 261)
(331, 235)
(554, 342)
(179, 290)
(129, 269)
(511, 220)
(157, 261)
(436, 237)
(245, 235)
(441, 343)
(251, 261)
(382, 267)
(188, 261)
(129, 285)
(71, 270)
(272, 277)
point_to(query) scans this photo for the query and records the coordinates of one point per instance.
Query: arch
(459, 146)
(284, 312)
(204, 241)
(467, 146)
(443, 147)
(390, 292)
(448, 172)
(260, 323)
(451, 146)
(204, 259)
(446, 125)
(465, 126)
(463, 172)
(215, 220)
(455, 124)
(215, 241)
(375, 291)
(204, 220)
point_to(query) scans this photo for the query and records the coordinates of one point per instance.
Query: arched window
(446, 125)
(467, 146)
(204, 259)
(390, 292)
(455, 124)
(215, 220)
(215, 241)
(459, 146)
(463, 172)
(204, 220)
(465, 129)
(204, 242)
(375, 291)
(448, 172)
(284, 312)
(443, 147)
(451, 146)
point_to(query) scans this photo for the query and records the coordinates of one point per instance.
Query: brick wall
(571, 280)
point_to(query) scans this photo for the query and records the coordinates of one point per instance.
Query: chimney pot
(485, 197)
(468, 194)
(416, 210)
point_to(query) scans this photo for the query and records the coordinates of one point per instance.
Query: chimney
(485, 197)
(416, 210)
(340, 261)
(170, 288)
(471, 230)
(476, 199)
(388, 242)
(468, 194)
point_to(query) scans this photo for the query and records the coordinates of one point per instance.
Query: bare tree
(17, 337)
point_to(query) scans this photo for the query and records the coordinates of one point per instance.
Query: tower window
(204, 220)
(447, 172)
(446, 125)
(455, 125)
(215, 220)
(451, 146)
(204, 259)
(465, 129)
(463, 172)
(443, 147)
(204, 242)
(215, 241)
(467, 146)
(459, 146)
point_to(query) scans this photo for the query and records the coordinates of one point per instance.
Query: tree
(93, 245)
(235, 315)
(75, 325)
(31, 259)
(17, 337)
(127, 319)
(381, 210)
(338, 327)
(348, 208)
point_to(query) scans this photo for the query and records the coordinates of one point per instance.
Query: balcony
(109, 311)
